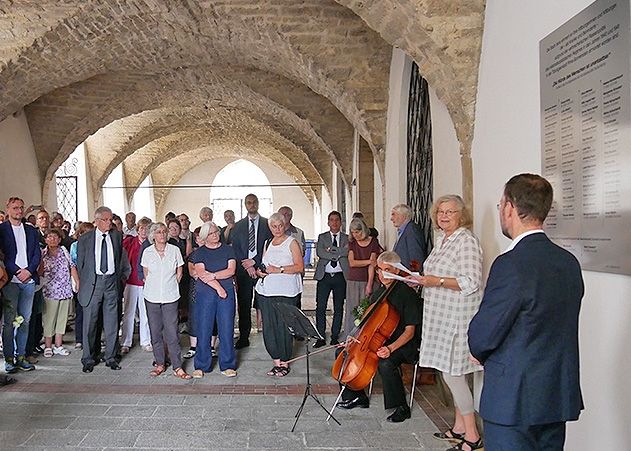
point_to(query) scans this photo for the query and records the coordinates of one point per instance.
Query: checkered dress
(447, 313)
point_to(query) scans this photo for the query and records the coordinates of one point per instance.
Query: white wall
(19, 171)
(447, 175)
(506, 142)
(190, 201)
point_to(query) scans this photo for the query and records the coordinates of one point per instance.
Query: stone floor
(59, 407)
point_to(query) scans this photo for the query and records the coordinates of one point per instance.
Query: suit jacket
(33, 252)
(239, 237)
(410, 245)
(86, 264)
(338, 254)
(526, 335)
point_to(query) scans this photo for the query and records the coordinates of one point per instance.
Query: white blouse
(161, 285)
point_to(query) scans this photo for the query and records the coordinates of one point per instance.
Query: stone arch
(170, 91)
(169, 173)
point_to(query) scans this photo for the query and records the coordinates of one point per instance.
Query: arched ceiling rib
(225, 133)
(149, 36)
(114, 97)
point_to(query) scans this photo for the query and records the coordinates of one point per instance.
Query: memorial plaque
(586, 135)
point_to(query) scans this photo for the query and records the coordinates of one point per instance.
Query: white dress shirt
(252, 254)
(338, 268)
(21, 257)
(98, 238)
(518, 238)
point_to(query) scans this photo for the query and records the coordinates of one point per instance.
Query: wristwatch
(442, 282)
(282, 270)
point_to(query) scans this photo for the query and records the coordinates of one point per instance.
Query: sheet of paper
(389, 275)
(404, 269)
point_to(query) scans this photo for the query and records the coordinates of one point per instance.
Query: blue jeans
(19, 301)
(209, 307)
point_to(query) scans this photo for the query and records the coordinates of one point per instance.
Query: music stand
(300, 326)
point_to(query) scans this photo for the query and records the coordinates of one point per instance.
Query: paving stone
(100, 423)
(130, 411)
(109, 438)
(56, 438)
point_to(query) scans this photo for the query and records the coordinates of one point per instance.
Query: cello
(357, 364)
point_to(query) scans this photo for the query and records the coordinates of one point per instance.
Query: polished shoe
(240, 344)
(400, 414)
(88, 367)
(334, 342)
(319, 343)
(113, 365)
(360, 401)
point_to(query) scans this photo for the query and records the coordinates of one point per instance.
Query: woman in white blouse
(280, 282)
(162, 265)
(452, 292)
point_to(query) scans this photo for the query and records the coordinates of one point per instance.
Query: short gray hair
(102, 209)
(403, 209)
(154, 228)
(276, 217)
(205, 230)
(389, 257)
(206, 211)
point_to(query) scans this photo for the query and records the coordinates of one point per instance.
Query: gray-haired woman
(162, 266)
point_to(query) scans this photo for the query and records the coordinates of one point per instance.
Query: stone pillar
(366, 182)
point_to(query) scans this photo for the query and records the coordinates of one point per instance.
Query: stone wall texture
(160, 85)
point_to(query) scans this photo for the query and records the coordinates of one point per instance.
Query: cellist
(401, 347)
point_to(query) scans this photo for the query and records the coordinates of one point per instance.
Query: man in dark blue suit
(248, 238)
(22, 255)
(526, 331)
(409, 244)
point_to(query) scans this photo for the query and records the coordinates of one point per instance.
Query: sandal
(182, 374)
(282, 371)
(48, 352)
(273, 371)
(158, 370)
(472, 445)
(449, 435)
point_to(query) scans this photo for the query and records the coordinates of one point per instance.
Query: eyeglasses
(447, 213)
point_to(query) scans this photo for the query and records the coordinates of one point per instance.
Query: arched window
(235, 181)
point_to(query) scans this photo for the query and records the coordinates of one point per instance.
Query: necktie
(251, 243)
(104, 255)
(334, 263)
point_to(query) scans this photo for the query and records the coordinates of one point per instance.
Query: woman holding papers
(452, 284)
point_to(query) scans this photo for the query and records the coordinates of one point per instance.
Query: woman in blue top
(215, 265)
(78, 319)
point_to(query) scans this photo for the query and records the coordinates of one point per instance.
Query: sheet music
(389, 275)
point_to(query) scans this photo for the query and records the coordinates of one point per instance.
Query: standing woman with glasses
(452, 290)
(162, 266)
(215, 264)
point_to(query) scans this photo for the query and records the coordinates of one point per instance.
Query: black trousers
(336, 283)
(390, 372)
(245, 290)
(35, 326)
(541, 437)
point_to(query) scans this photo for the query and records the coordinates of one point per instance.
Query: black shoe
(299, 338)
(240, 344)
(334, 341)
(113, 365)
(400, 414)
(6, 380)
(319, 343)
(360, 401)
(88, 367)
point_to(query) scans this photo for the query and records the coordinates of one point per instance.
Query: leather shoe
(240, 344)
(334, 341)
(400, 414)
(349, 404)
(319, 343)
(6, 380)
(113, 365)
(88, 367)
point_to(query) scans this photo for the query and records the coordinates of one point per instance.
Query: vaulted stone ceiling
(154, 83)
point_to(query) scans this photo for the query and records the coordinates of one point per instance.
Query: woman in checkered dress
(452, 290)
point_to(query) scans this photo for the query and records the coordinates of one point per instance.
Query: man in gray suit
(331, 271)
(409, 245)
(102, 267)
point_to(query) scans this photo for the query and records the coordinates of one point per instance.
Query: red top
(362, 253)
(132, 245)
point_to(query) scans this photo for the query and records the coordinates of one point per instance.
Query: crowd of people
(171, 278)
